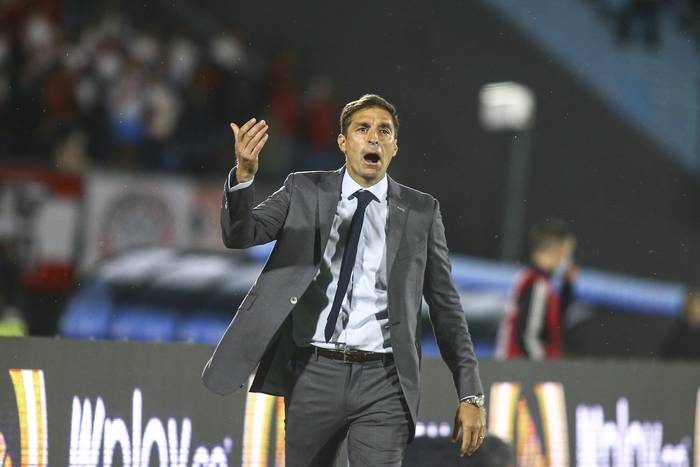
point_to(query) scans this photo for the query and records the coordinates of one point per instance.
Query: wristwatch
(476, 401)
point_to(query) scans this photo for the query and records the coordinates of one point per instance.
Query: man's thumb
(235, 129)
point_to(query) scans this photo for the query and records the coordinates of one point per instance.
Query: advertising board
(101, 403)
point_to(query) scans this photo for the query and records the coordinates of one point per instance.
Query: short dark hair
(368, 100)
(548, 232)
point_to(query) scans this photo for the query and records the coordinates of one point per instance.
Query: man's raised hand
(250, 139)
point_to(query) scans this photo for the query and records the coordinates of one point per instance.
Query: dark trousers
(328, 400)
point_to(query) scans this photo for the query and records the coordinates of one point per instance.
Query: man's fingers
(455, 430)
(256, 135)
(252, 132)
(482, 435)
(241, 130)
(246, 126)
(474, 442)
(466, 439)
(258, 147)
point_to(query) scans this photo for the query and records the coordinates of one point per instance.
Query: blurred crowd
(106, 94)
(639, 21)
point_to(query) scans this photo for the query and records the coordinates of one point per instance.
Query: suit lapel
(396, 222)
(328, 197)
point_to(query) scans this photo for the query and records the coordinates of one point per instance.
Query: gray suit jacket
(299, 216)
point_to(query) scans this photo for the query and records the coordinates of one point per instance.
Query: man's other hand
(471, 421)
(250, 139)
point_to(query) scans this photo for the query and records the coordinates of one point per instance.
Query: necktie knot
(364, 197)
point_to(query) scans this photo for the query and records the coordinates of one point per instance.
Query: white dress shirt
(363, 322)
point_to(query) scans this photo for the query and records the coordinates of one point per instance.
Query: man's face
(549, 256)
(369, 146)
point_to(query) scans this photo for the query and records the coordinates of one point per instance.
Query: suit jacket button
(293, 300)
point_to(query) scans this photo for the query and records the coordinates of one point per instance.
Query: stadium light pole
(510, 107)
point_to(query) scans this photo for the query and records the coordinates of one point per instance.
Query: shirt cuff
(238, 186)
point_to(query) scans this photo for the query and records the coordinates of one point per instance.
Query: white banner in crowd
(127, 211)
(206, 229)
(39, 215)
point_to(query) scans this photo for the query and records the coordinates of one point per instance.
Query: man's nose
(373, 136)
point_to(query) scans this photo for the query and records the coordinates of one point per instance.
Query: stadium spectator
(532, 326)
(689, 18)
(9, 273)
(320, 114)
(145, 101)
(642, 13)
(285, 108)
(683, 342)
(11, 321)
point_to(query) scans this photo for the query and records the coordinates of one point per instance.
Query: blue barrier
(143, 324)
(93, 312)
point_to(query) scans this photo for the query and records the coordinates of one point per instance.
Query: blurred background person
(683, 341)
(566, 272)
(532, 327)
(642, 15)
(320, 110)
(11, 321)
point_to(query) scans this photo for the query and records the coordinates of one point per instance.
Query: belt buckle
(346, 355)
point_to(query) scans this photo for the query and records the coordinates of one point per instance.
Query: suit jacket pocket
(247, 301)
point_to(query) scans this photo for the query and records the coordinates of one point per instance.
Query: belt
(352, 356)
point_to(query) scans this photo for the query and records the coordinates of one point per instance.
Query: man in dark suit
(332, 322)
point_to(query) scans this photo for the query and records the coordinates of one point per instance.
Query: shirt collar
(350, 186)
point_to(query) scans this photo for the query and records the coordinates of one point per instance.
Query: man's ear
(341, 142)
(396, 147)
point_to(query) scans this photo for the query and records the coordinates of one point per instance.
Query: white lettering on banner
(202, 457)
(116, 433)
(623, 443)
(85, 440)
(88, 432)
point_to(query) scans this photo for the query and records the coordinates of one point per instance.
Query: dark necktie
(346, 267)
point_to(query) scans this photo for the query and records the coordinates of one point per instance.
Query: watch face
(478, 401)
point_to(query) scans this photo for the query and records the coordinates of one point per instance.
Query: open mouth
(371, 158)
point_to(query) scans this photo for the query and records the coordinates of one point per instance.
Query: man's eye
(362, 129)
(386, 131)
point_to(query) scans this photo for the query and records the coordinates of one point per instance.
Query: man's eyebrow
(365, 123)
